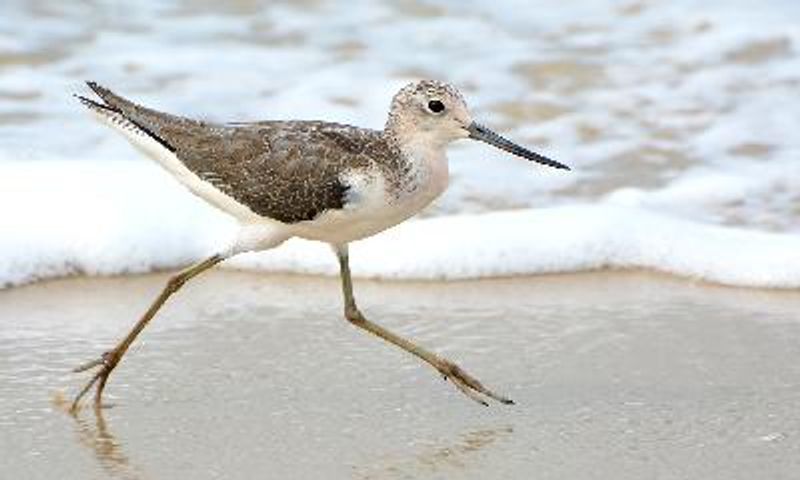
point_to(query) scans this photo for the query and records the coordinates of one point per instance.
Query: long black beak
(479, 132)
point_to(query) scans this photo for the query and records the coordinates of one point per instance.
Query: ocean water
(681, 122)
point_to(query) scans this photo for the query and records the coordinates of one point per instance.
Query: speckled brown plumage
(290, 171)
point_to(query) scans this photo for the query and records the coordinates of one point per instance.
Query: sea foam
(679, 120)
(126, 216)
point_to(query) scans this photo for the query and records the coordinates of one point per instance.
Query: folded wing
(286, 171)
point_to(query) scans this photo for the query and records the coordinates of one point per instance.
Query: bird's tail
(164, 128)
(123, 114)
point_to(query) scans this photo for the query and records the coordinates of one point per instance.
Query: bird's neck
(428, 171)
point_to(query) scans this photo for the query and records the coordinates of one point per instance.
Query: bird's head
(435, 113)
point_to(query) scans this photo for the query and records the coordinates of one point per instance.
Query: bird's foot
(107, 362)
(469, 385)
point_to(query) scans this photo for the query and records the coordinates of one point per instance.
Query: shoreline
(579, 275)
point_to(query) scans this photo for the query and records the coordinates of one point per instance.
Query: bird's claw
(469, 385)
(105, 359)
(106, 362)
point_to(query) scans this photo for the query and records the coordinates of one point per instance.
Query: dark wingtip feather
(88, 102)
(93, 85)
(109, 98)
(108, 106)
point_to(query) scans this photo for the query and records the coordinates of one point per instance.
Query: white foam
(680, 77)
(557, 239)
(118, 217)
(59, 218)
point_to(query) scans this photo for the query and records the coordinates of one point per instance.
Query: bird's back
(287, 171)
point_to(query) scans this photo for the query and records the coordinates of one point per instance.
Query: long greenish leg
(109, 360)
(468, 385)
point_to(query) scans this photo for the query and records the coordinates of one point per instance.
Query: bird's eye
(436, 106)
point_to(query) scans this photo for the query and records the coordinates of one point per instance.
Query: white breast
(373, 207)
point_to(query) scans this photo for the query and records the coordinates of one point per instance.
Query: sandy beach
(679, 121)
(616, 375)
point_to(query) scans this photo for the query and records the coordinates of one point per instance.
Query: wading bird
(316, 180)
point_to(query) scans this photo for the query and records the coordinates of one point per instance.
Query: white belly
(373, 208)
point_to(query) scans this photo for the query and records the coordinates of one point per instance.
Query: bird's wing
(286, 171)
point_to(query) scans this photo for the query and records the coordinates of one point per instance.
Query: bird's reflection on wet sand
(94, 433)
(446, 457)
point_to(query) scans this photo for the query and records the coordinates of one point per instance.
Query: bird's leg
(109, 360)
(468, 384)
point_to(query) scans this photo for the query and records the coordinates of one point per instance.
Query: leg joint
(354, 316)
(176, 282)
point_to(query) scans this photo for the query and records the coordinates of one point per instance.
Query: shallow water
(245, 375)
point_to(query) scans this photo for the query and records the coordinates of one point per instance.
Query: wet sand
(616, 375)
